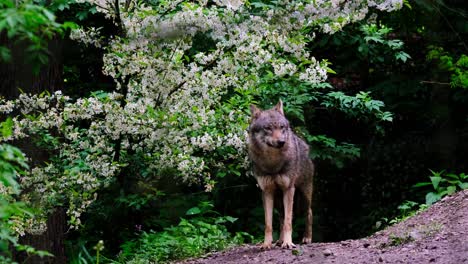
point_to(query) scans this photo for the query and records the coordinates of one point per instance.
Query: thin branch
(451, 27)
(434, 82)
(168, 10)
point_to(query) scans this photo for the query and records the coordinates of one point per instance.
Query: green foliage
(325, 148)
(35, 25)
(360, 106)
(12, 164)
(202, 232)
(447, 62)
(372, 43)
(443, 184)
(375, 44)
(406, 210)
(295, 93)
(82, 256)
(298, 96)
(459, 77)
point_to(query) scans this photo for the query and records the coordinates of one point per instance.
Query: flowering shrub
(180, 106)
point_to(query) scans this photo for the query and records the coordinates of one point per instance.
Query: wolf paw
(288, 245)
(266, 246)
(279, 242)
(306, 240)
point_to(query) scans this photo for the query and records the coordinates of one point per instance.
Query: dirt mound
(437, 235)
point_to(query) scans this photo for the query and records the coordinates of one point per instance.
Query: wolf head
(269, 127)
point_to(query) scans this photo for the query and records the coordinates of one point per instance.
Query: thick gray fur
(280, 162)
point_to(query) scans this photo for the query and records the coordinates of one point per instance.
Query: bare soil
(436, 235)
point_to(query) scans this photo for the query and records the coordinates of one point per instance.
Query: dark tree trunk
(16, 76)
(52, 240)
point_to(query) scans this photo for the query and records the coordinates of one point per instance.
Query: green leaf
(451, 189)
(69, 25)
(42, 253)
(432, 198)
(422, 184)
(5, 54)
(436, 181)
(193, 211)
(6, 127)
(231, 219)
(48, 14)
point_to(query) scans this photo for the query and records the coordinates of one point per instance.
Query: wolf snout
(280, 143)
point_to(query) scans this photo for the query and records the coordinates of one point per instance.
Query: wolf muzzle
(277, 144)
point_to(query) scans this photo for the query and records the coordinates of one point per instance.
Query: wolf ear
(255, 111)
(279, 107)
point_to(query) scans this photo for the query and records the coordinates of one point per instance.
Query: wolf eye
(268, 128)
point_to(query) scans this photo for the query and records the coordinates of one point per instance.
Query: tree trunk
(52, 241)
(16, 76)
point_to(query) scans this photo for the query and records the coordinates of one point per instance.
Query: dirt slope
(437, 235)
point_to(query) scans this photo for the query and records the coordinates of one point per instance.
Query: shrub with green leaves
(203, 231)
(30, 24)
(443, 184)
(12, 164)
(448, 62)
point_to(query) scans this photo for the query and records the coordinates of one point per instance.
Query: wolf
(280, 162)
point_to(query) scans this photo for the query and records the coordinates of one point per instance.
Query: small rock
(380, 259)
(415, 235)
(432, 260)
(366, 245)
(327, 252)
(312, 255)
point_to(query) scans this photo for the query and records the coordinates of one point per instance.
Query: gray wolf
(280, 163)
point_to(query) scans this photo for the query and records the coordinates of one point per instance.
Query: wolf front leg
(307, 193)
(288, 200)
(268, 196)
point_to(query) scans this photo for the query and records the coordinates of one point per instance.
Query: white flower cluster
(333, 15)
(6, 107)
(315, 73)
(171, 112)
(91, 36)
(386, 5)
(282, 68)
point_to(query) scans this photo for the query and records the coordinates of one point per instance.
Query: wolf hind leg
(280, 207)
(306, 191)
